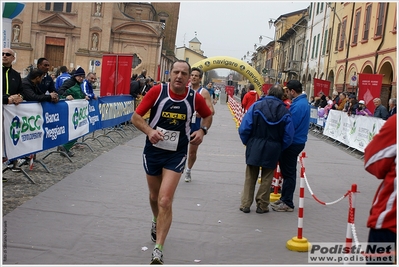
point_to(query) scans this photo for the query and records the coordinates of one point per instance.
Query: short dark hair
(63, 69)
(34, 73)
(251, 86)
(277, 91)
(40, 60)
(295, 85)
(182, 61)
(199, 70)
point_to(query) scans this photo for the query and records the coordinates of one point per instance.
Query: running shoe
(157, 257)
(154, 231)
(282, 207)
(187, 178)
(276, 203)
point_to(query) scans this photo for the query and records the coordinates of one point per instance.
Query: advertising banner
(321, 86)
(32, 127)
(108, 73)
(229, 90)
(124, 71)
(369, 88)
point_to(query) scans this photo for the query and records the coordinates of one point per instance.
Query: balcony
(292, 66)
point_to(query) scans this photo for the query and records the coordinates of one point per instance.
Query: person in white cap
(362, 109)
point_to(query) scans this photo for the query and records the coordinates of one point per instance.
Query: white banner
(353, 131)
(23, 132)
(78, 117)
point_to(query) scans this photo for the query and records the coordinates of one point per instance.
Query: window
(325, 42)
(337, 39)
(366, 23)
(317, 10)
(321, 7)
(136, 61)
(314, 44)
(356, 27)
(310, 10)
(317, 46)
(328, 41)
(380, 19)
(306, 50)
(342, 37)
(58, 7)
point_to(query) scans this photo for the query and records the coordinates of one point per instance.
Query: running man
(196, 77)
(165, 152)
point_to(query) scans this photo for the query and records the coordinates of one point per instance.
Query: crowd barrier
(353, 131)
(31, 127)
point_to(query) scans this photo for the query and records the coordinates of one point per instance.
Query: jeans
(288, 162)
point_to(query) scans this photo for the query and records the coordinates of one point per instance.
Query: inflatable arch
(233, 64)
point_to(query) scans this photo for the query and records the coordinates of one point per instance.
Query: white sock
(188, 170)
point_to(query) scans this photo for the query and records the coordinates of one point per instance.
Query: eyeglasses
(7, 54)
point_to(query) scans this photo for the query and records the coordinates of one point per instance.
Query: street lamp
(261, 38)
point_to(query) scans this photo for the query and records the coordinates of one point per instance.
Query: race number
(170, 140)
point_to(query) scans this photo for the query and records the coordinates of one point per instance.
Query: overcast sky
(230, 28)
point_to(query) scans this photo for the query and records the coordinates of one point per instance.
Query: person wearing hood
(76, 79)
(266, 130)
(250, 97)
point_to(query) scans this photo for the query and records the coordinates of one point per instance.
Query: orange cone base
(296, 244)
(274, 197)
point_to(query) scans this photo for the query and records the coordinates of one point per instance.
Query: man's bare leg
(192, 157)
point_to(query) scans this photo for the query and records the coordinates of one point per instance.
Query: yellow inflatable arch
(233, 64)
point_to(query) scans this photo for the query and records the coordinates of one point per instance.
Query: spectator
(142, 74)
(362, 109)
(31, 90)
(286, 100)
(243, 92)
(77, 78)
(62, 77)
(329, 105)
(392, 107)
(380, 161)
(348, 97)
(335, 98)
(353, 105)
(380, 111)
(87, 86)
(250, 97)
(210, 89)
(266, 130)
(311, 101)
(136, 86)
(322, 100)
(12, 92)
(47, 84)
(342, 101)
(300, 112)
(72, 89)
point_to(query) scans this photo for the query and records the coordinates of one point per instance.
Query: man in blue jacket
(266, 130)
(300, 112)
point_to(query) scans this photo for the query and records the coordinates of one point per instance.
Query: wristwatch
(205, 129)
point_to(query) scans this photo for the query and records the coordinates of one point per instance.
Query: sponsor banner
(32, 127)
(229, 90)
(78, 117)
(369, 88)
(94, 115)
(353, 131)
(115, 110)
(55, 124)
(23, 129)
(365, 253)
(321, 86)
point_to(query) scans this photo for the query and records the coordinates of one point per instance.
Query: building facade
(78, 34)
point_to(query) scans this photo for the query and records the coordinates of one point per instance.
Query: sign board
(353, 81)
(97, 63)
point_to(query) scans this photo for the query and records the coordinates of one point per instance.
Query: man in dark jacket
(12, 82)
(266, 130)
(47, 83)
(31, 90)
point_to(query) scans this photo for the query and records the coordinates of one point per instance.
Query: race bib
(170, 140)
